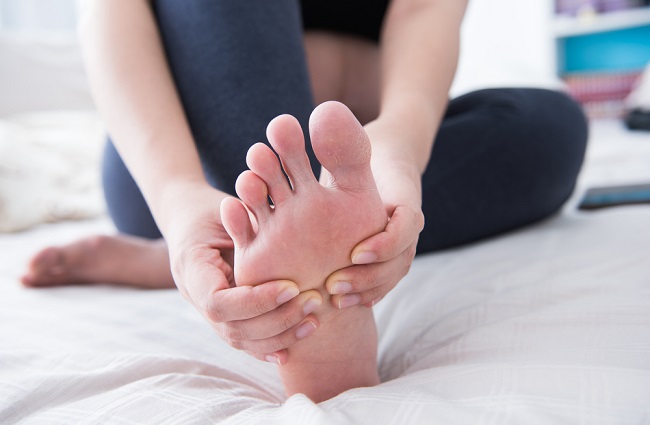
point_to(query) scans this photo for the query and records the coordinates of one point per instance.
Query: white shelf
(568, 26)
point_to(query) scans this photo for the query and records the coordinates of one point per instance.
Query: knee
(547, 132)
(548, 126)
(556, 131)
(550, 123)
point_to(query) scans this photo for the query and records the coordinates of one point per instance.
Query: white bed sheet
(550, 324)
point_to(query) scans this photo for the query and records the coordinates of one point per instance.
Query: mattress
(545, 325)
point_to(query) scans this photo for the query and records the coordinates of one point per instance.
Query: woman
(186, 87)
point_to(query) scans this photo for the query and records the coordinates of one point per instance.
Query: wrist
(394, 144)
(181, 202)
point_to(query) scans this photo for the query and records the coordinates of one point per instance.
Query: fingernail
(349, 301)
(286, 295)
(341, 288)
(311, 305)
(305, 330)
(273, 359)
(364, 258)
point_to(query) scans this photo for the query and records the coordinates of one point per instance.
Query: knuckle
(410, 255)
(374, 281)
(372, 294)
(279, 342)
(282, 341)
(419, 219)
(412, 250)
(405, 269)
(258, 306)
(288, 316)
(212, 309)
(184, 293)
(254, 301)
(287, 321)
(234, 333)
(237, 345)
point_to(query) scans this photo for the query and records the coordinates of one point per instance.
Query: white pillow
(49, 168)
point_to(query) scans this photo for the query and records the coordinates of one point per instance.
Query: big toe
(341, 146)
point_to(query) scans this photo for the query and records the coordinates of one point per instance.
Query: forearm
(420, 43)
(135, 94)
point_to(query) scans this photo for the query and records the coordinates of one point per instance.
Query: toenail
(349, 301)
(286, 295)
(341, 288)
(305, 330)
(311, 305)
(364, 258)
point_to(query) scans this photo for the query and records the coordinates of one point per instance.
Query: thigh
(236, 65)
(344, 68)
(503, 158)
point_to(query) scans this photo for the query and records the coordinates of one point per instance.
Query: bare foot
(122, 260)
(307, 234)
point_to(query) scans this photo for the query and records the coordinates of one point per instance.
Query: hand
(382, 260)
(261, 320)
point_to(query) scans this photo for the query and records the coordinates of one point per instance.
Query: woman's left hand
(382, 260)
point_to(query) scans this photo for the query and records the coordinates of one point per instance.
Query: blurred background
(51, 135)
(38, 15)
(598, 47)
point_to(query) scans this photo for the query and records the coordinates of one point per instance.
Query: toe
(285, 135)
(263, 162)
(46, 268)
(252, 190)
(237, 222)
(341, 146)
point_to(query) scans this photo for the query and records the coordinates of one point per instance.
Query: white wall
(506, 43)
(38, 15)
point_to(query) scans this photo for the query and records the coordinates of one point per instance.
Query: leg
(503, 158)
(121, 259)
(308, 234)
(236, 65)
(136, 257)
(125, 203)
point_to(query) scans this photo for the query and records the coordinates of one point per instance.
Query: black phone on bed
(611, 196)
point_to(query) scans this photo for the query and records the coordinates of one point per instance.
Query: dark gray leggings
(503, 158)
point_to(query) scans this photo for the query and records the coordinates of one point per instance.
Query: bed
(545, 325)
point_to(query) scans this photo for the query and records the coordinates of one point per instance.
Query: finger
(364, 277)
(404, 226)
(363, 284)
(199, 274)
(279, 342)
(274, 322)
(245, 302)
(373, 302)
(279, 357)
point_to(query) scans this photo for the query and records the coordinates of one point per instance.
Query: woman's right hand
(135, 93)
(261, 320)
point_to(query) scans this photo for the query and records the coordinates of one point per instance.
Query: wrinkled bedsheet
(548, 324)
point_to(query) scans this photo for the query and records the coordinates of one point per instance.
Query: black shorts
(362, 18)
